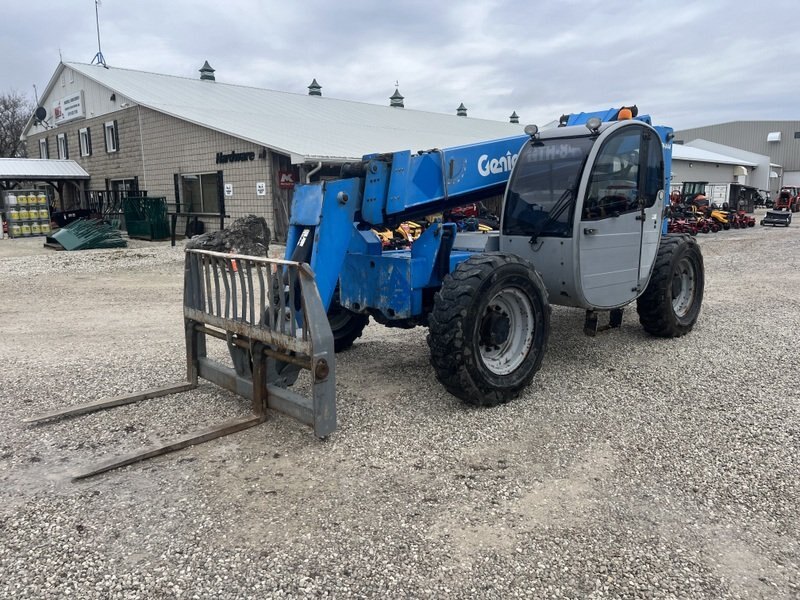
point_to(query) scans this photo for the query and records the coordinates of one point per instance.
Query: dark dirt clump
(248, 235)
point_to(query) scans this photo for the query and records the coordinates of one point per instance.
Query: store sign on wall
(229, 157)
(69, 108)
(285, 180)
(229, 189)
(261, 188)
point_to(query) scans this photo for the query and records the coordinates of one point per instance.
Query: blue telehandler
(582, 225)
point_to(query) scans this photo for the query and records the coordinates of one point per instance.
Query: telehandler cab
(582, 225)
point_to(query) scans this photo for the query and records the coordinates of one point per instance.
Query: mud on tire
(670, 305)
(489, 328)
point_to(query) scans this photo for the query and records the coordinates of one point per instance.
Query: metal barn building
(217, 151)
(780, 140)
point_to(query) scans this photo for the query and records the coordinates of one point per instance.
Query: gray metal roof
(683, 152)
(308, 128)
(40, 169)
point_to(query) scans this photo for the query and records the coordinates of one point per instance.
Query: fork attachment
(270, 314)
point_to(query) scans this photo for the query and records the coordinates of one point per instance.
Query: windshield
(541, 195)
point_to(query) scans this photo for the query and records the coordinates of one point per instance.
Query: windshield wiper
(564, 201)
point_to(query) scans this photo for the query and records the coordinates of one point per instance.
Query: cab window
(653, 168)
(543, 189)
(614, 182)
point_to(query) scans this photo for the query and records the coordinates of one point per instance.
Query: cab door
(652, 200)
(610, 230)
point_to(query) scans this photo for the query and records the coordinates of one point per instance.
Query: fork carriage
(270, 314)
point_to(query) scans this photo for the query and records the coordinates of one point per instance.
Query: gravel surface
(632, 468)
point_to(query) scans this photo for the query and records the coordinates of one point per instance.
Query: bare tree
(15, 110)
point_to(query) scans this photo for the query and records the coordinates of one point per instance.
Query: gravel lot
(632, 468)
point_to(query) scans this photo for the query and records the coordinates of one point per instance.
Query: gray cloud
(686, 63)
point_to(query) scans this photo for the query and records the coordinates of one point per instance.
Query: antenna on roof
(99, 56)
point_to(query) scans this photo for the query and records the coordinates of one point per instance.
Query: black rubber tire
(657, 314)
(458, 316)
(346, 325)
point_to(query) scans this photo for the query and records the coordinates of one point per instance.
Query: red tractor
(787, 199)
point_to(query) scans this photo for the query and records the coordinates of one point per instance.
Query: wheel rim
(506, 331)
(684, 282)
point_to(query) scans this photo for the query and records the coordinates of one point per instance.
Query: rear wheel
(670, 305)
(489, 328)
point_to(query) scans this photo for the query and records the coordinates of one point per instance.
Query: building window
(63, 148)
(797, 135)
(111, 135)
(200, 192)
(44, 150)
(122, 188)
(85, 138)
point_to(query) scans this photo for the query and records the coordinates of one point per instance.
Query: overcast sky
(685, 63)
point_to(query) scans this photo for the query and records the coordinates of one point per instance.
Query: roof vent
(514, 118)
(396, 99)
(461, 111)
(315, 89)
(206, 72)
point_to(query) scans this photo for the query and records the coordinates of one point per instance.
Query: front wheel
(346, 325)
(489, 328)
(670, 305)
